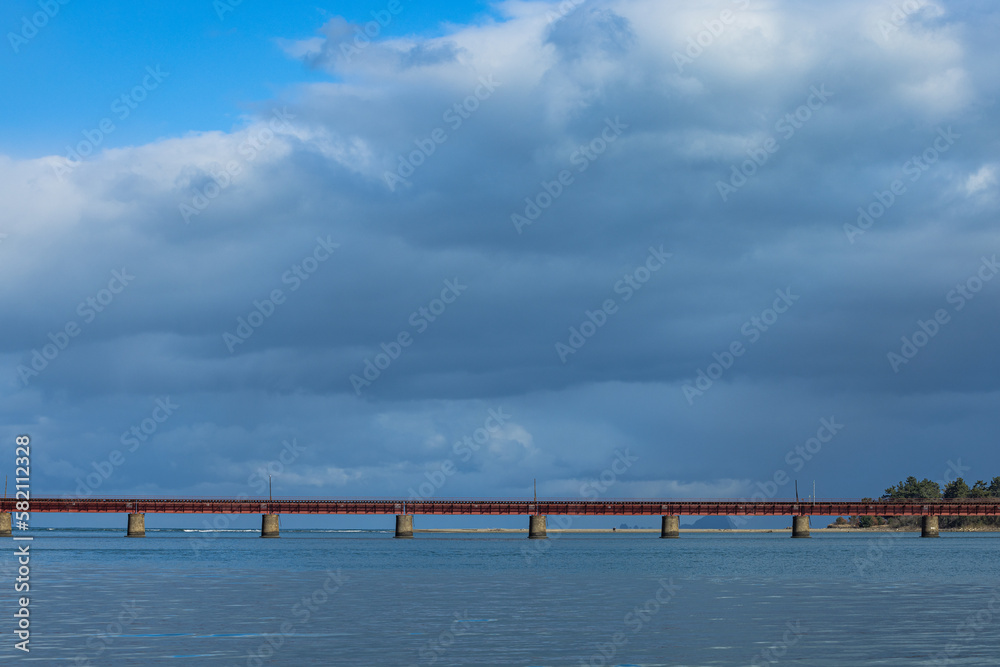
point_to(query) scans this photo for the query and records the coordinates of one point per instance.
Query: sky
(625, 248)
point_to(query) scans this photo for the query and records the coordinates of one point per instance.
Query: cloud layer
(443, 213)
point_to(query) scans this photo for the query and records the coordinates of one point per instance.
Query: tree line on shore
(925, 488)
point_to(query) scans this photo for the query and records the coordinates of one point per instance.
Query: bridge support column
(800, 526)
(5, 524)
(929, 526)
(536, 527)
(670, 526)
(136, 525)
(269, 525)
(404, 525)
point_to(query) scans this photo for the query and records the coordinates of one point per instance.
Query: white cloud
(983, 179)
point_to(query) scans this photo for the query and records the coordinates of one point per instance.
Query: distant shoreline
(879, 529)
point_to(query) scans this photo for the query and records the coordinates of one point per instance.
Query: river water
(363, 598)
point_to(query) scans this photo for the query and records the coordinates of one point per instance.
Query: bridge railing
(460, 499)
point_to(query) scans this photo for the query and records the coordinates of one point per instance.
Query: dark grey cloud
(423, 54)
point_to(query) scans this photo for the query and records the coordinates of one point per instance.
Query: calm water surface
(363, 598)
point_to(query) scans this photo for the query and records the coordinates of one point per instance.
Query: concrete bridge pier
(536, 527)
(136, 525)
(5, 524)
(929, 526)
(404, 525)
(800, 526)
(670, 526)
(269, 525)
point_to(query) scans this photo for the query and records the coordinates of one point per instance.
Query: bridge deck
(617, 507)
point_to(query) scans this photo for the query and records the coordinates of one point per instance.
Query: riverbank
(878, 529)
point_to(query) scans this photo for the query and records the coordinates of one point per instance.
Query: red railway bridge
(670, 509)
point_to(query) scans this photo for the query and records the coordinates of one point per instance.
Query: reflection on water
(329, 598)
